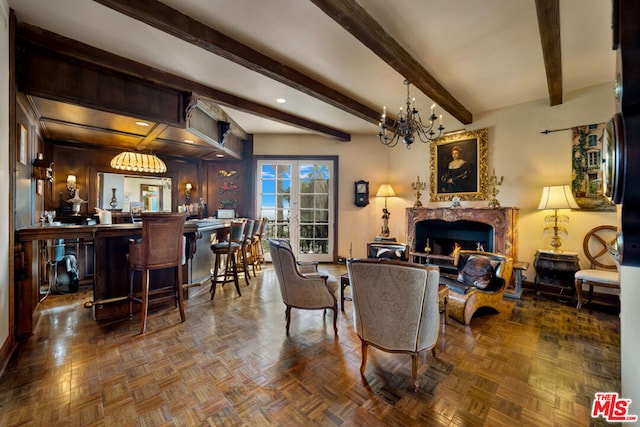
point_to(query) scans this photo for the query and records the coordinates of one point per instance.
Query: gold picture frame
(468, 179)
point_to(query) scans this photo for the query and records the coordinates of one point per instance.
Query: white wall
(527, 159)
(5, 227)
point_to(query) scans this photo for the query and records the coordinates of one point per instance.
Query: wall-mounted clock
(613, 172)
(361, 193)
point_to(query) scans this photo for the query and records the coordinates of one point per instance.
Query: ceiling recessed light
(188, 141)
(142, 123)
(281, 100)
(220, 155)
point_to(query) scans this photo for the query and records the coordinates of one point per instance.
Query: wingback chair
(482, 280)
(310, 291)
(395, 307)
(161, 247)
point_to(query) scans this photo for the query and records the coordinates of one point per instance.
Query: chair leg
(145, 299)
(579, 293)
(180, 293)
(363, 363)
(244, 265)
(335, 318)
(214, 277)
(131, 272)
(288, 318)
(414, 370)
(234, 266)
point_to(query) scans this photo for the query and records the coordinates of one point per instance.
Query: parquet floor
(536, 363)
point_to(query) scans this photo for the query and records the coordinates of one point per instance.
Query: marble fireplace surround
(503, 220)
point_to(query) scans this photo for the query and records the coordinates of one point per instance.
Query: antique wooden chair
(481, 282)
(161, 247)
(603, 271)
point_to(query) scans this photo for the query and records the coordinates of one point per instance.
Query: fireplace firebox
(495, 229)
(441, 237)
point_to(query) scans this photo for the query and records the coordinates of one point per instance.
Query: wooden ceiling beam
(83, 52)
(171, 21)
(549, 24)
(353, 18)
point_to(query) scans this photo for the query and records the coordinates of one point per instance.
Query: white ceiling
(487, 53)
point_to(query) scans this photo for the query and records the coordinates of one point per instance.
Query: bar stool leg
(214, 277)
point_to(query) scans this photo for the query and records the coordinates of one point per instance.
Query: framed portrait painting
(459, 166)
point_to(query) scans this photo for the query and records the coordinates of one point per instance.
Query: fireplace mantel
(504, 222)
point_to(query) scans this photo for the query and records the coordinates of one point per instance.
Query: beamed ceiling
(335, 62)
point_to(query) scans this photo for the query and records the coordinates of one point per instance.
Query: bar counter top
(73, 231)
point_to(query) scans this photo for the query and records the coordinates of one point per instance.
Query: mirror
(131, 193)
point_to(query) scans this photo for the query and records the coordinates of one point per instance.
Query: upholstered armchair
(304, 267)
(395, 307)
(481, 282)
(311, 291)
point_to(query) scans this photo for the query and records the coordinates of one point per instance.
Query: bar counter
(110, 281)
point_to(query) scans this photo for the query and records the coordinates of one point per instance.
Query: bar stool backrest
(162, 239)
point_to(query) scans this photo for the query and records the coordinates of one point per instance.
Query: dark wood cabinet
(556, 270)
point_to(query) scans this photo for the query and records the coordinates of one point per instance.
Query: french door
(297, 198)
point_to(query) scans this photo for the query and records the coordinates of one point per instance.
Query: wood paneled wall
(217, 182)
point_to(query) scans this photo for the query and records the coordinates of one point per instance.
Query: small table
(344, 282)
(556, 269)
(443, 298)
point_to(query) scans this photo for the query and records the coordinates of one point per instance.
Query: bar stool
(161, 247)
(229, 250)
(243, 255)
(250, 246)
(257, 243)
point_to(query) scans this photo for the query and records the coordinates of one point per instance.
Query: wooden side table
(556, 269)
(344, 282)
(443, 298)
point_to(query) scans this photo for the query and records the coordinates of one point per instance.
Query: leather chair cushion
(479, 272)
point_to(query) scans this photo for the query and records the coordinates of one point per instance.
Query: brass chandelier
(138, 162)
(409, 124)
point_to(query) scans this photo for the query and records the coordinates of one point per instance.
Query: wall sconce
(187, 191)
(71, 184)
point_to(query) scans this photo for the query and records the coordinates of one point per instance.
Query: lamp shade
(138, 162)
(385, 190)
(557, 197)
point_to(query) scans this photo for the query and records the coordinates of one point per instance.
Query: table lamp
(385, 191)
(557, 197)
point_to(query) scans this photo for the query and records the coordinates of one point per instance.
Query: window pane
(306, 215)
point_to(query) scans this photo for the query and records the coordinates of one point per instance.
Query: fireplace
(492, 229)
(441, 237)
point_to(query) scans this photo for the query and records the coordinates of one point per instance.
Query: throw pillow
(385, 253)
(477, 271)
